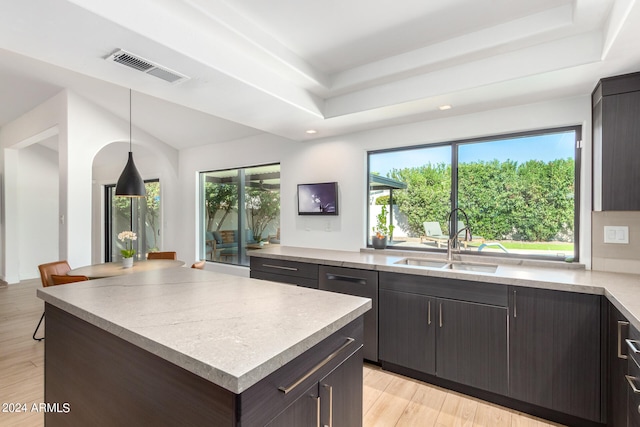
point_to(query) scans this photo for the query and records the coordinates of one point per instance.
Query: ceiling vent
(137, 63)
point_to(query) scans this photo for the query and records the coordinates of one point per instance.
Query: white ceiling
(285, 66)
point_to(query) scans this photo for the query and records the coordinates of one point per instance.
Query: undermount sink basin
(430, 263)
(449, 265)
(472, 266)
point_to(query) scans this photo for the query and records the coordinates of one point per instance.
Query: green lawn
(541, 246)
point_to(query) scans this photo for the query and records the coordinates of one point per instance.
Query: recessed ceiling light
(444, 107)
(311, 131)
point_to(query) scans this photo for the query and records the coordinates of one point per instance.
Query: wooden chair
(162, 255)
(51, 274)
(199, 265)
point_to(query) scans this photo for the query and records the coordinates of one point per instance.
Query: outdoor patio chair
(433, 233)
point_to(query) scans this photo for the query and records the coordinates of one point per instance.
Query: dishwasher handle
(343, 278)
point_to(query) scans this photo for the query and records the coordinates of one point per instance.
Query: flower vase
(127, 262)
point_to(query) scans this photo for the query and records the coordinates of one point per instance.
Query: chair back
(199, 265)
(162, 255)
(59, 268)
(62, 279)
(432, 229)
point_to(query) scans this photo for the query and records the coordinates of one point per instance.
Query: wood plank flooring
(389, 399)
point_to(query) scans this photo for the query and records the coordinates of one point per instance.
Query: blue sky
(540, 147)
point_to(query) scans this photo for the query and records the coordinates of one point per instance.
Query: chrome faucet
(452, 242)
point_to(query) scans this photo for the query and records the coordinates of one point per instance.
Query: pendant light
(130, 183)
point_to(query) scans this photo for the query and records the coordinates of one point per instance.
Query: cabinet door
(407, 330)
(304, 412)
(472, 344)
(341, 394)
(620, 151)
(617, 353)
(554, 347)
(633, 382)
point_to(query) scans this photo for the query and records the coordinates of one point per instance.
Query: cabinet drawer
(441, 287)
(634, 398)
(266, 399)
(278, 270)
(633, 377)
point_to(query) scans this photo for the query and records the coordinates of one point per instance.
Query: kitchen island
(190, 347)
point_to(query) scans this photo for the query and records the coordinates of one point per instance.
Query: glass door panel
(140, 215)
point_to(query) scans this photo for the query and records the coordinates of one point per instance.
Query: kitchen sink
(472, 266)
(449, 265)
(419, 262)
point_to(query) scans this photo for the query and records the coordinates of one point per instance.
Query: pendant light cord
(130, 120)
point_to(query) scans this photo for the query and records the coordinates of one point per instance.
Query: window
(140, 215)
(240, 212)
(519, 194)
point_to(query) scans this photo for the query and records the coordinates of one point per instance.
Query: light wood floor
(389, 399)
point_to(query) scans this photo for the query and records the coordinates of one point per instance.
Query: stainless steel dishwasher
(360, 283)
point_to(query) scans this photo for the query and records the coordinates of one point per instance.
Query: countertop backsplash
(611, 257)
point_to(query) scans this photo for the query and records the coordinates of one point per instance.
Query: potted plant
(127, 237)
(381, 231)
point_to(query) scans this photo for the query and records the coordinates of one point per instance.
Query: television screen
(318, 199)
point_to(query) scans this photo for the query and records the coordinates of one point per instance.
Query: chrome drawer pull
(632, 345)
(316, 368)
(330, 405)
(632, 383)
(280, 267)
(621, 323)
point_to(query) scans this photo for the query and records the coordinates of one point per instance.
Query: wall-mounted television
(318, 199)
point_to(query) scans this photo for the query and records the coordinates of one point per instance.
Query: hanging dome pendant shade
(130, 183)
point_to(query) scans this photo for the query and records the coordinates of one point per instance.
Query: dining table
(111, 269)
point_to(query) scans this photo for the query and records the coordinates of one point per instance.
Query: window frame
(241, 218)
(453, 202)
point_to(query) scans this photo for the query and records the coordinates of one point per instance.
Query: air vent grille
(137, 63)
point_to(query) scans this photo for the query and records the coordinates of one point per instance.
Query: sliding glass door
(140, 215)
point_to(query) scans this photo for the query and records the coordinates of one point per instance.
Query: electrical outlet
(616, 234)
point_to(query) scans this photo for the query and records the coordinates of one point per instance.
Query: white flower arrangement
(129, 236)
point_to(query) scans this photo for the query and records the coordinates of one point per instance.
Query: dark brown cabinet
(283, 271)
(336, 400)
(616, 130)
(618, 332)
(555, 351)
(408, 330)
(633, 377)
(472, 345)
(423, 328)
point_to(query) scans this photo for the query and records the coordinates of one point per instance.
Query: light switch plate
(616, 234)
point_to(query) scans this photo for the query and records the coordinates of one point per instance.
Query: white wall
(343, 159)
(37, 209)
(47, 120)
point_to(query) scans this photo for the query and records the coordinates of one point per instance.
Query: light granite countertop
(230, 330)
(623, 290)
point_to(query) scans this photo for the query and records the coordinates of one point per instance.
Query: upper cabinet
(616, 141)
